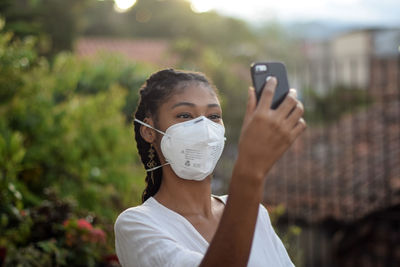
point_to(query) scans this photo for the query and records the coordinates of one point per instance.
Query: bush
(331, 106)
(288, 233)
(66, 153)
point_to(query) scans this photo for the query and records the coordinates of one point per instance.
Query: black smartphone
(259, 73)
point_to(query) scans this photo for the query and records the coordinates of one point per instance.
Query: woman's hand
(267, 133)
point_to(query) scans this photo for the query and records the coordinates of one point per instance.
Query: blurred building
(151, 51)
(351, 60)
(340, 181)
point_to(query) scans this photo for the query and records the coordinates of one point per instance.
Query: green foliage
(14, 62)
(54, 22)
(289, 235)
(45, 237)
(174, 20)
(63, 130)
(168, 19)
(331, 106)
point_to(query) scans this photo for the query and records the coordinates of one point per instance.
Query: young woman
(180, 136)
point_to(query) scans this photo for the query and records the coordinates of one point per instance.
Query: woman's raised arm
(266, 135)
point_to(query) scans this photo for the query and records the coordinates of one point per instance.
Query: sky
(369, 12)
(376, 12)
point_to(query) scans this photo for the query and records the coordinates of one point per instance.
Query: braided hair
(155, 91)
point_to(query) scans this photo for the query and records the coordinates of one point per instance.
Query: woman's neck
(186, 197)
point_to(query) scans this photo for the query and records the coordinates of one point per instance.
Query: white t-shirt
(151, 235)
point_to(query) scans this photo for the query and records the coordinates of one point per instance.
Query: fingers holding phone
(289, 113)
(266, 98)
(292, 109)
(267, 132)
(267, 93)
(263, 71)
(271, 78)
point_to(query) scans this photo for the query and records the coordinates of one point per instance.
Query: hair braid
(143, 147)
(157, 88)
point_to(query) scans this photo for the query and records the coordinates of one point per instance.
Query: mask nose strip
(199, 120)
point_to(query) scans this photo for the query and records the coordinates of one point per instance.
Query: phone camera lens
(261, 68)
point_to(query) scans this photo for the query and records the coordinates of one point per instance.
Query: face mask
(192, 148)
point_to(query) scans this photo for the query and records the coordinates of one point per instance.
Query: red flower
(82, 231)
(83, 224)
(98, 235)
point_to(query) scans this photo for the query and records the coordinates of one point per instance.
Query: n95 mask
(192, 148)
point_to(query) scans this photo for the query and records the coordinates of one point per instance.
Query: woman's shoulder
(143, 213)
(262, 209)
(224, 198)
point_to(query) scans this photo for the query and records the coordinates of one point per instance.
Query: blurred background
(69, 78)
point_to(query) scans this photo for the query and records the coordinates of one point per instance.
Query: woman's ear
(148, 134)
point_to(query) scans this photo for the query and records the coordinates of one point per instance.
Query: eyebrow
(193, 105)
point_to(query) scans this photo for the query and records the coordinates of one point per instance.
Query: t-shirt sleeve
(140, 244)
(276, 241)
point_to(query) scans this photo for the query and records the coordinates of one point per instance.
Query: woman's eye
(184, 116)
(214, 117)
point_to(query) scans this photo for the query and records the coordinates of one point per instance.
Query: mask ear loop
(148, 125)
(155, 168)
(151, 127)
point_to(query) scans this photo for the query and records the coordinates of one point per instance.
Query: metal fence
(340, 181)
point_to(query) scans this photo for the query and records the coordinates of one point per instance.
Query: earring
(152, 163)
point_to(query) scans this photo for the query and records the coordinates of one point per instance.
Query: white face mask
(193, 147)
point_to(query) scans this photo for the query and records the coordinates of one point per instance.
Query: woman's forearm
(232, 241)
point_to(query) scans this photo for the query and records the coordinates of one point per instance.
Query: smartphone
(259, 73)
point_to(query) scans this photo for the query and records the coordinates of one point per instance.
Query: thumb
(251, 105)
